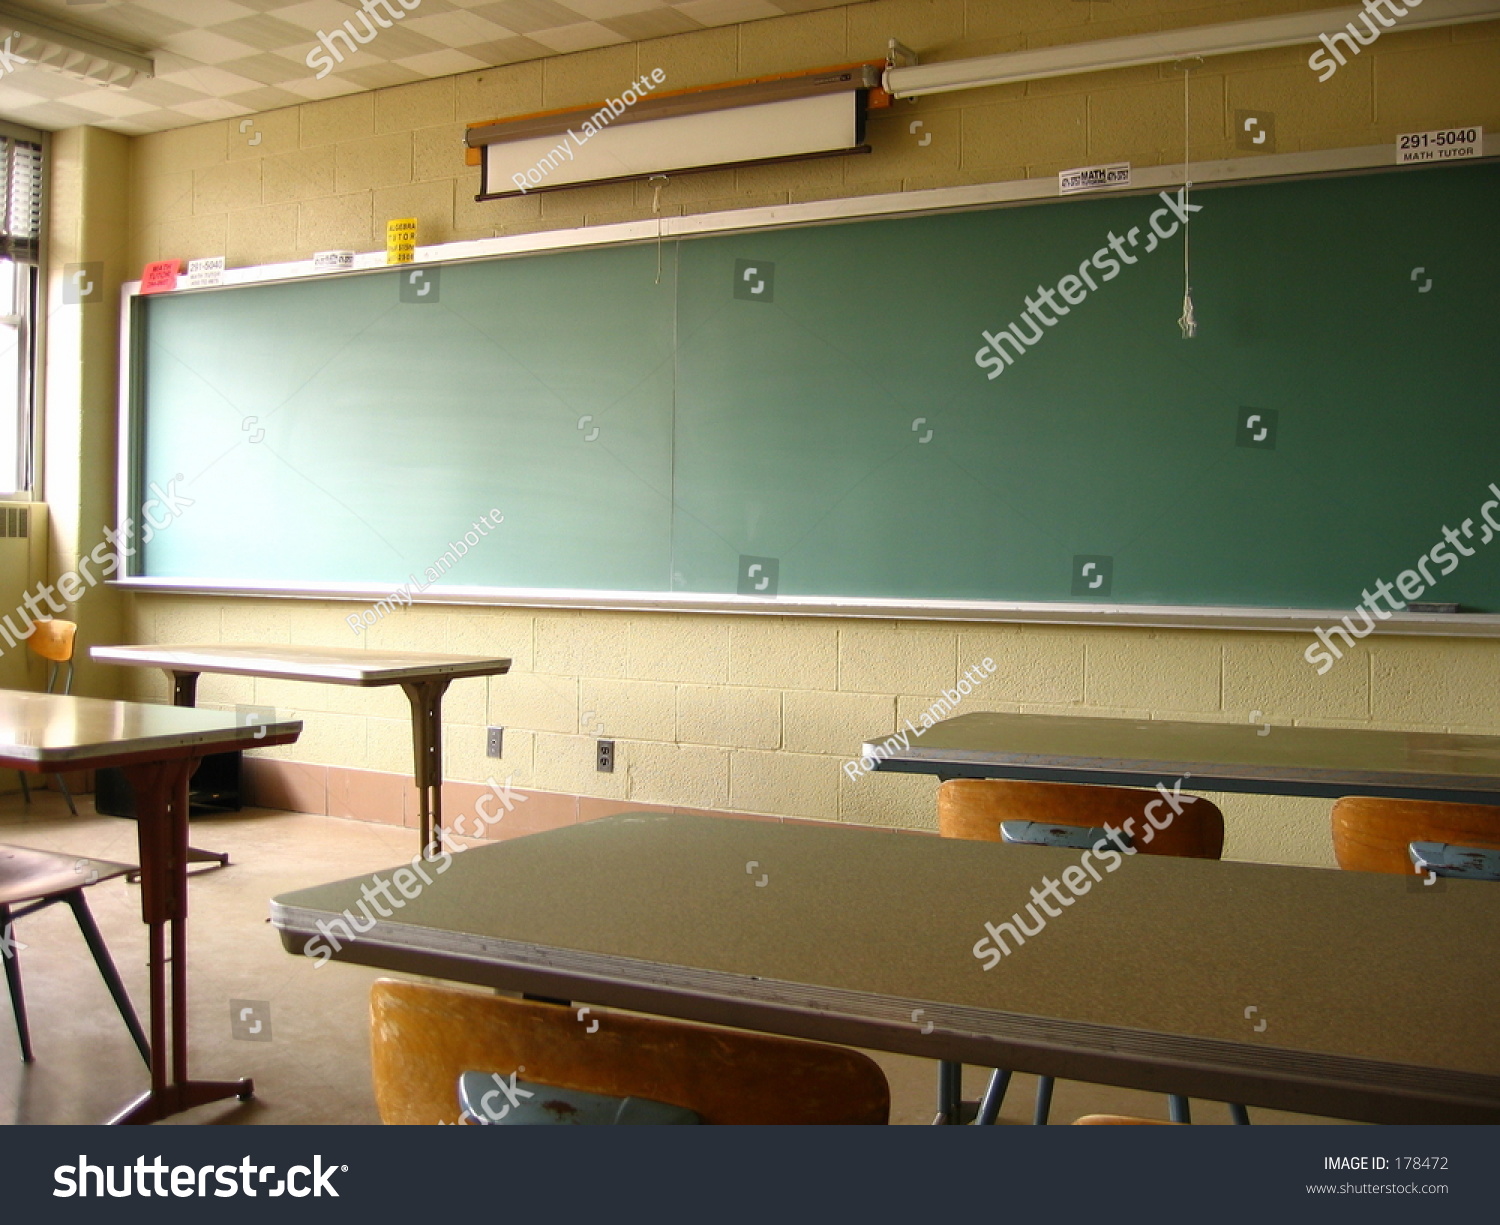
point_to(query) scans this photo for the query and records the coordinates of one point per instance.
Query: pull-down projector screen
(810, 116)
(795, 127)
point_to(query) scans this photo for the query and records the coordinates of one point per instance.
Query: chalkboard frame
(1145, 181)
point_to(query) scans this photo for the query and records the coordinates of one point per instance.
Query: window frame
(19, 483)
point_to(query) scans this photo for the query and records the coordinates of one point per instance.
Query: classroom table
(1238, 757)
(1342, 994)
(158, 748)
(423, 676)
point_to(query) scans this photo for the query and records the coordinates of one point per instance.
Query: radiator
(23, 564)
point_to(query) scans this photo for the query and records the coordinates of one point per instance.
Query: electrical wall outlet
(494, 741)
(606, 761)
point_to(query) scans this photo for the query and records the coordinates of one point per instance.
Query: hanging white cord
(1187, 323)
(660, 181)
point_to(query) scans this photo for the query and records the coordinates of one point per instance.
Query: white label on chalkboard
(205, 272)
(1444, 145)
(333, 261)
(1093, 178)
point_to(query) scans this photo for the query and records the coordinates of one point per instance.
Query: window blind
(21, 226)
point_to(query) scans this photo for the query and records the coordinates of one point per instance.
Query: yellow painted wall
(86, 225)
(758, 713)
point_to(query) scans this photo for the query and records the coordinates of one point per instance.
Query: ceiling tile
(222, 58)
(206, 47)
(209, 80)
(653, 23)
(458, 29)
(727, 12)
(211, 108)
(581, 37)
(526, 16)
(267, 68)
(204, 12)
(312, 89)
(599, 10)
(442, 63)
(163, 93)
(260, 100)
(112, 102)
(506, 51)
(266, 31)
(380, 76)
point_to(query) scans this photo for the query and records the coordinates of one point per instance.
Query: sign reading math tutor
(1093, 178)
(203, 273)
(1444, 145)
(161, 277)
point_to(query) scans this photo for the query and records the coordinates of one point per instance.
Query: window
(20, 241)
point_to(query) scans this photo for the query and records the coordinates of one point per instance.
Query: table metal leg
(185, 693)
(426, 698)
(184, 688)
(161, 791)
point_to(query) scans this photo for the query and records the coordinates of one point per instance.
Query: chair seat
(28, 875)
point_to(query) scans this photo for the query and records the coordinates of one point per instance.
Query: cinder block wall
(757, 714)
(79, 380)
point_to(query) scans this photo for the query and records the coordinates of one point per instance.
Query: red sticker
(161, 276)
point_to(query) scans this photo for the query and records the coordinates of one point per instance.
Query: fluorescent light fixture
(43, 42)
(806, 115)
(1228, 39)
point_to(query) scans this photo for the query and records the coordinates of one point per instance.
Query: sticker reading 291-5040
(1440, 146)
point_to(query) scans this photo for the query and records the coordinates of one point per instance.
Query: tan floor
(315, 1068)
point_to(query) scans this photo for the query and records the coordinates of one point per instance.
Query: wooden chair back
(423, 1038)
(1372, 835)
(54, 640)
(974, 808)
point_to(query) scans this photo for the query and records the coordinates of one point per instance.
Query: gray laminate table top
(47, 732)
(1343, 993)
(334, 665)
(1311, 761)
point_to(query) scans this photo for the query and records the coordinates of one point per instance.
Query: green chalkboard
(803, 411)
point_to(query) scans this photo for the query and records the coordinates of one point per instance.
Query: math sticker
(161, 277)
(401, 240)
(1093, 178)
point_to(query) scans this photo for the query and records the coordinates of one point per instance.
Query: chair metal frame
(90, 871)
